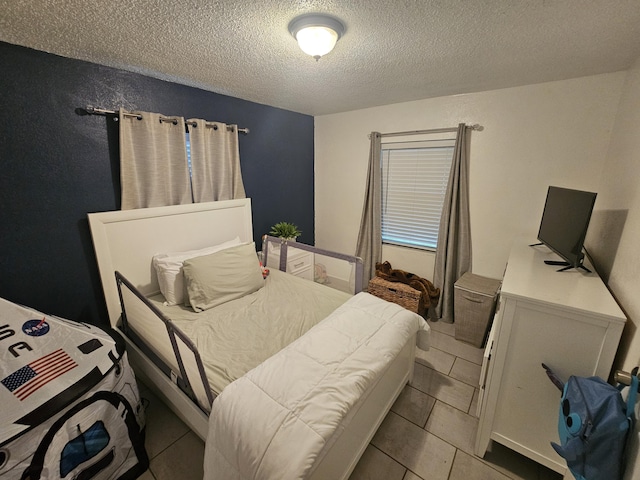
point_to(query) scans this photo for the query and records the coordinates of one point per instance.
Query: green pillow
(222, 276)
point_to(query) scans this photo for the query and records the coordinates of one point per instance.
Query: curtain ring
(175, 122)
(215, 127)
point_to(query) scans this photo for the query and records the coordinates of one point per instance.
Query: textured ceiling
(392, 51)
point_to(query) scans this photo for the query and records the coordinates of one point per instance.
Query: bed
(372, 365)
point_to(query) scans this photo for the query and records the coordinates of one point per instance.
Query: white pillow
(168, 268)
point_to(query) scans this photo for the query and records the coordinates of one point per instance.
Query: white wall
(614, 234)
(534, 136)
(581, 133)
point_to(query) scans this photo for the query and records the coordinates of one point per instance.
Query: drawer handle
(296, 265)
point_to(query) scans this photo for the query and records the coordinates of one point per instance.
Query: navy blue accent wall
(57, 166)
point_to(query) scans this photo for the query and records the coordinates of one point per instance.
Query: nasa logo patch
(35, 328)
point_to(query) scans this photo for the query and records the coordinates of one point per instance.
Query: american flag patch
(31, 377)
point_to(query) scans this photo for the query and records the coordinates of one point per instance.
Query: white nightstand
(299, 262)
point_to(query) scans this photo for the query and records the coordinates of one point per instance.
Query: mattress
(239, 335)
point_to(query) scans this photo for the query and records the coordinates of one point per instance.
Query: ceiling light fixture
(316, 34)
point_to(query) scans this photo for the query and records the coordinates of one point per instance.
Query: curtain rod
(102, 111)
(433, 130)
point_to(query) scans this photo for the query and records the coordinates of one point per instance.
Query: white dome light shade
(316, 41)
(316, 34)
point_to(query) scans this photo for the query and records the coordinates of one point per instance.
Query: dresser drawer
(484, 370)
(299, 262)
(305, 272)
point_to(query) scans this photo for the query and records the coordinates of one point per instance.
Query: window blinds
(414, 182)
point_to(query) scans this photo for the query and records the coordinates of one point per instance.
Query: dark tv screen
(564, 223)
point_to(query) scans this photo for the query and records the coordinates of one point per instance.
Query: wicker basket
(397, 292)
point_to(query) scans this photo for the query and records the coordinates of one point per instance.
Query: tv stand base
(566, 265)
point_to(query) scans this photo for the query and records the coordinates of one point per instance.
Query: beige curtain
(153, 161)
(215, 161)
(453, 254)
(369, 246)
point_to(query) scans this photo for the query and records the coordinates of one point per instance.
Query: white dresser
(567, 320)
(299, 262)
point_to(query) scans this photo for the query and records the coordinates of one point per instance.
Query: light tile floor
(428, 435)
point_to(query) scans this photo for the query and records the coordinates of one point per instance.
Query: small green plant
(285, 230)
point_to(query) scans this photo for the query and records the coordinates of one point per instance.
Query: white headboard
(125, 240)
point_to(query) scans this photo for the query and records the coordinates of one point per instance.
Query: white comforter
(278, 420)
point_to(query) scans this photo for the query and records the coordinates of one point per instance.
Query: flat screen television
(564, 224)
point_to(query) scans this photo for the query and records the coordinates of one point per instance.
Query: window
(188, 141)
(414, 183)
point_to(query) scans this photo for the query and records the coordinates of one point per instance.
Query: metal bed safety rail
(170, 349)
(269, 242)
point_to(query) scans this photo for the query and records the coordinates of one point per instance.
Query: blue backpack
(593, 425)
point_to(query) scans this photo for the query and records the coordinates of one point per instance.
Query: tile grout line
(167, 447)
(458, 449)
(406, 469)
(433, 434)
(453, 406)
(468, 413)
(452, 463)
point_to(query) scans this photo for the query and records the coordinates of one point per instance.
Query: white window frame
(414, 176)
